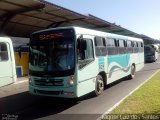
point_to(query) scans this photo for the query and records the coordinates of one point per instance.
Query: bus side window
(141, 44)
(85, 54)
(136, 47)
(142, 47)
(112, 46)
(100, 46)
(121, 46)
(129, 47)
(3, 52)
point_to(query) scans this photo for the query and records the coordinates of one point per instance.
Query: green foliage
(146, 100)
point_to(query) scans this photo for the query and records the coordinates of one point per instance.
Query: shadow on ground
(27, 106)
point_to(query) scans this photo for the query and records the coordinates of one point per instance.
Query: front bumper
(68, 92)
(149, 58)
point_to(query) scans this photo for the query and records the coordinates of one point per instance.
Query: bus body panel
(118, 67)
(86, 80)
(7, 62)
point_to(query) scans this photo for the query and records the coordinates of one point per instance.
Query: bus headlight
(71, 80)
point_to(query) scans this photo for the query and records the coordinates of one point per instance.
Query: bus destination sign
(50, 36)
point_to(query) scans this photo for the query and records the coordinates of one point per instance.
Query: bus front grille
(48, 82)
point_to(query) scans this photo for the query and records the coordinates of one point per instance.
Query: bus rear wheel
(133, 69)
(99, 87)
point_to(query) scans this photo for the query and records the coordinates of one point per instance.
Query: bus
(151, 52)
(7, 62)
(72, 61)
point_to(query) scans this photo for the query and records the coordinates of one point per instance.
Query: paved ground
(16, 101)
(20, 86)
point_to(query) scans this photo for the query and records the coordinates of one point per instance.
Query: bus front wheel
(99, 86)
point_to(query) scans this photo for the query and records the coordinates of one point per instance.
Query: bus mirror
(81, 44)
(84, 44)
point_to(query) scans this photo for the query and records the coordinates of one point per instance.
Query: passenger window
(85, 55)
(121, 49)
(3, 52)
(141, 44)
(112, 46)
(121, 43)
(136, 47)
(137, 44)
(129, 44)
(129, 47)
(100, 46)
(99, 41)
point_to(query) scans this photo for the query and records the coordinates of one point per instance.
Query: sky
(140, 16)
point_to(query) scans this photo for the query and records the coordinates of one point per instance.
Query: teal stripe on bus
(101, 60)
(122, 60)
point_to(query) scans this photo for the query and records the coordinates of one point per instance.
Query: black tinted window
(3, 52)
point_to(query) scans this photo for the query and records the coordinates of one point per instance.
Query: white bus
(73, 61)
(7, 62)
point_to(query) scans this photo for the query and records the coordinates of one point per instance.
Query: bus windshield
(53, 55)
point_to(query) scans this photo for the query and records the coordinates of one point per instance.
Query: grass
(146, 100)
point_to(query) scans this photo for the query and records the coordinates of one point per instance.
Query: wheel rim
(100, 86)
(132, 70)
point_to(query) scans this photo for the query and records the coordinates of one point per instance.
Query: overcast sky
(140, 16)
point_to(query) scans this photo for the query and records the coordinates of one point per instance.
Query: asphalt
(15, 101)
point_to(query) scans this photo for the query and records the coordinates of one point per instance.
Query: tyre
(133, 69)
(99, 86)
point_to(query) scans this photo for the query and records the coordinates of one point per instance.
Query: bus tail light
(71, 80)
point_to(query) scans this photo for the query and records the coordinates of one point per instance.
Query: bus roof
(5, 39)
(80, 30)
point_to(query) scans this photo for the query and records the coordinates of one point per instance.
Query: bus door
(86, 72)
(5, 64)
